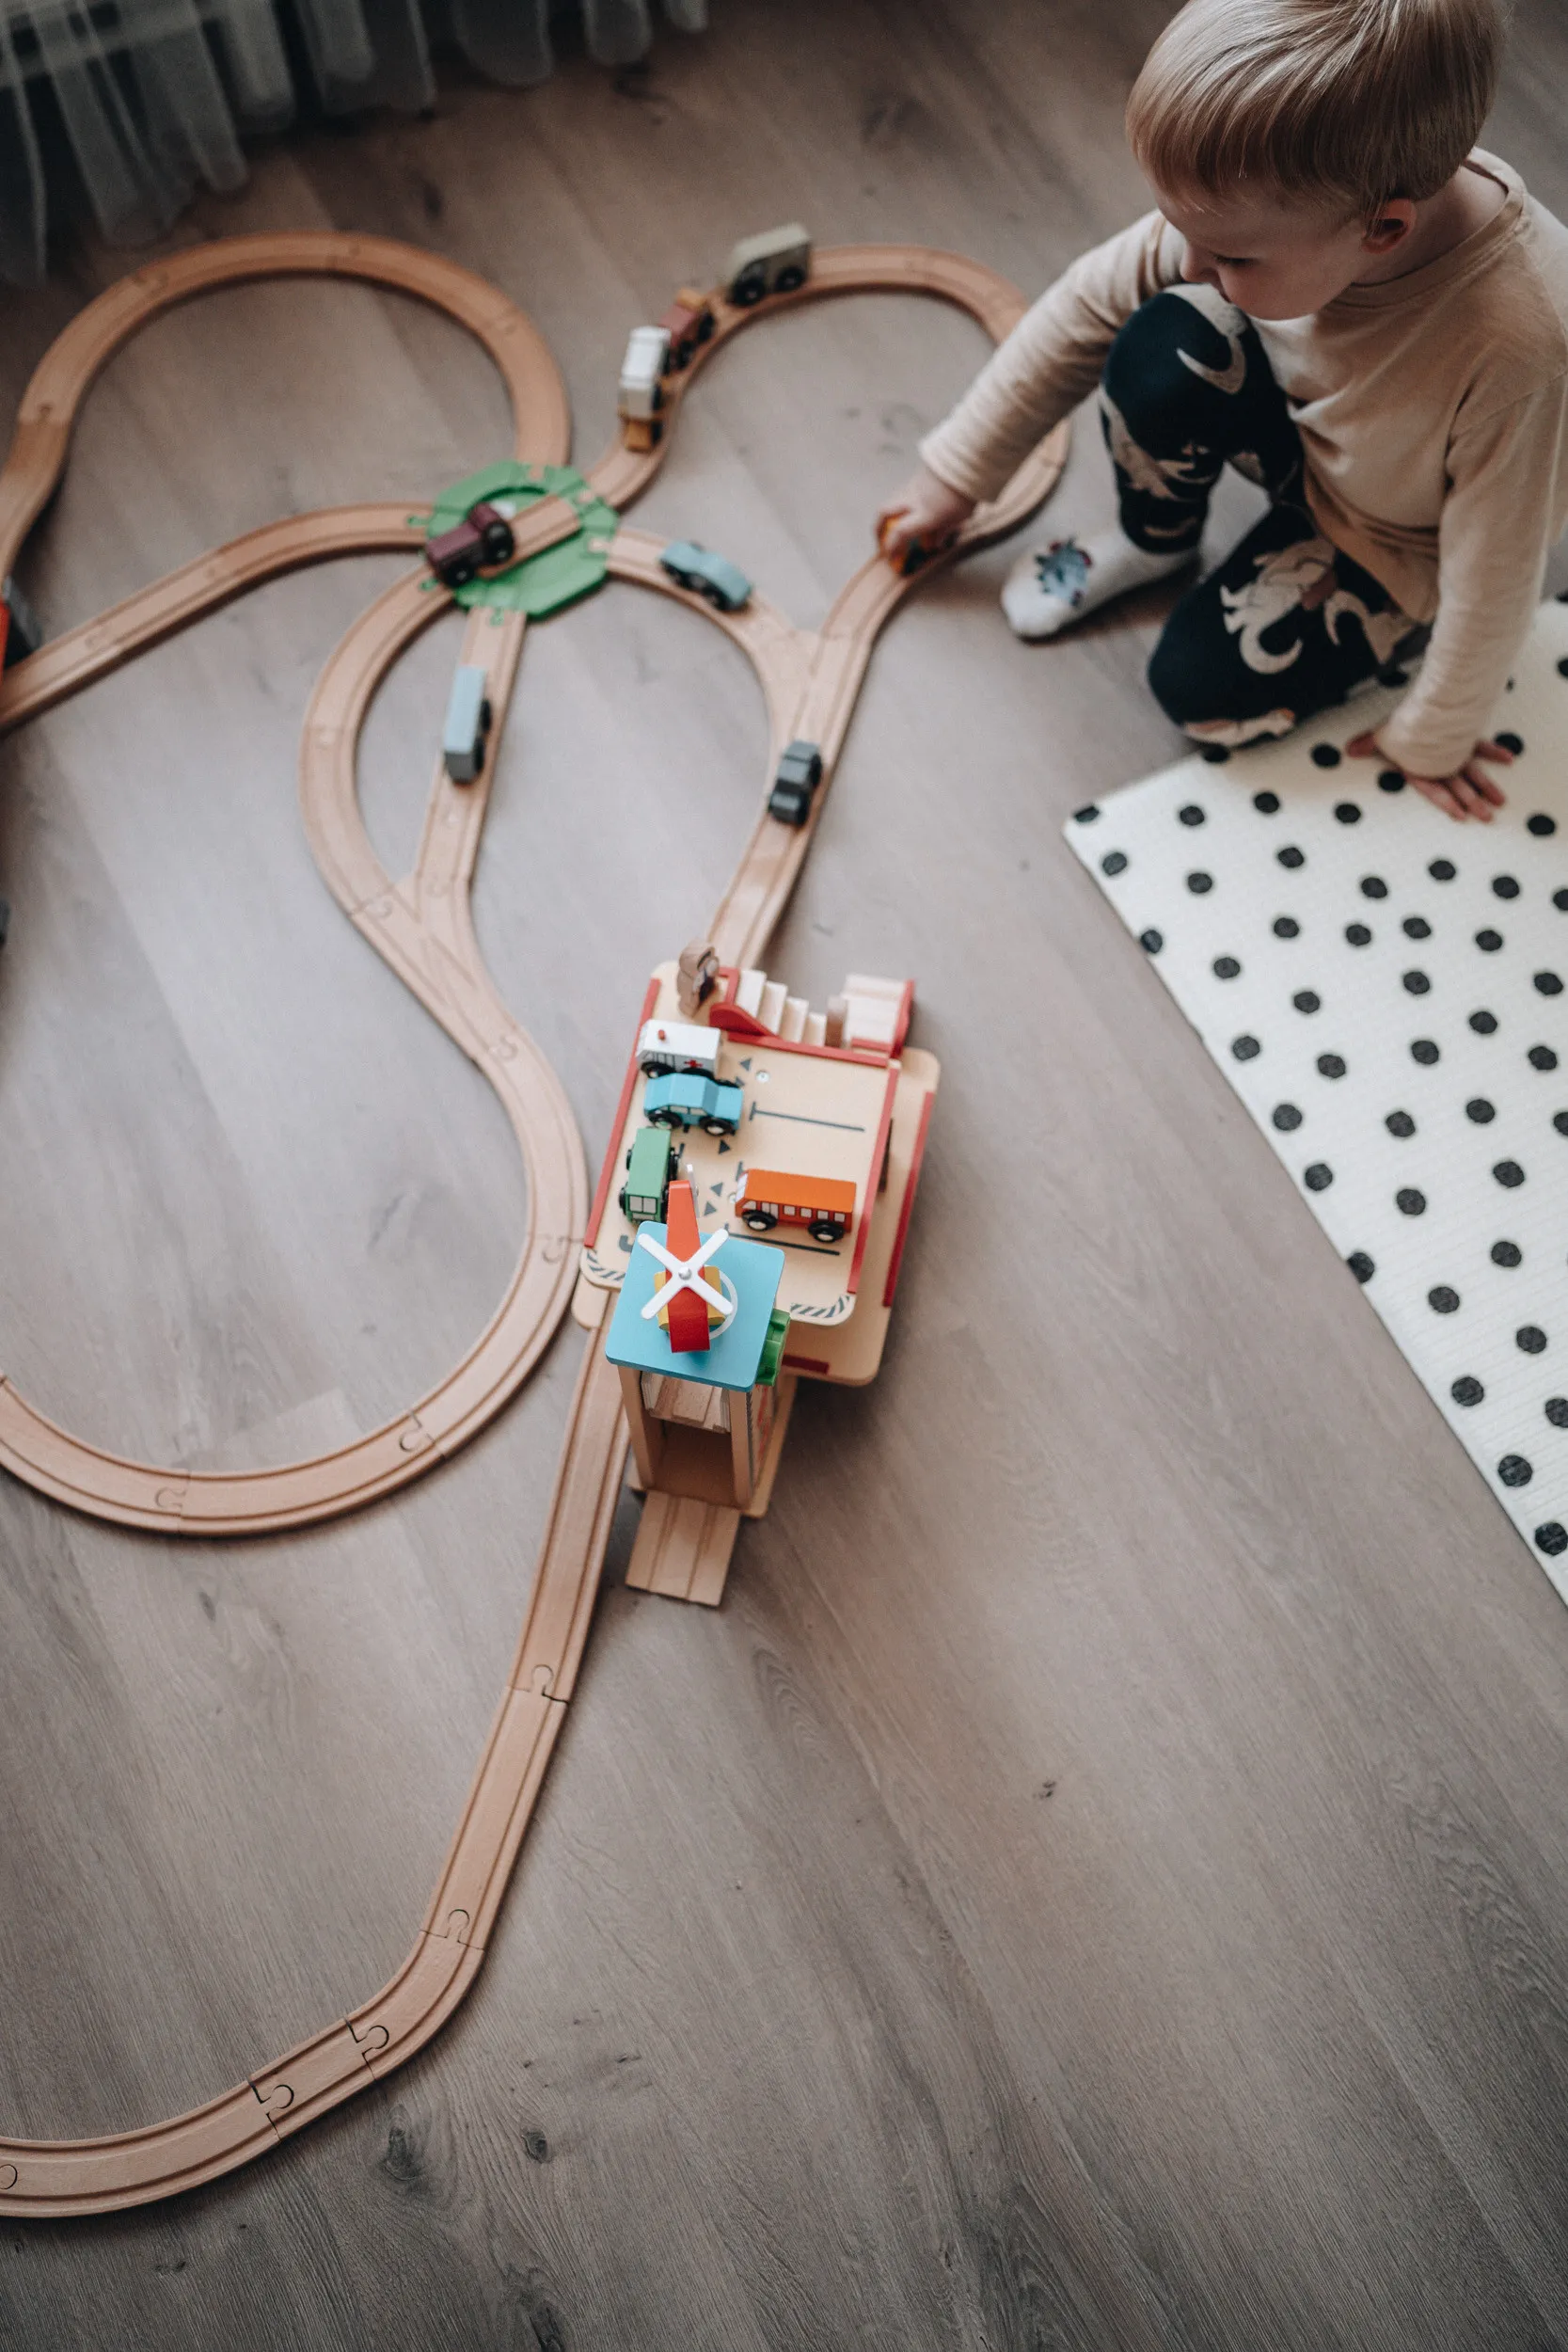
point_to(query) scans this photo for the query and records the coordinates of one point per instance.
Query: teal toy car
(684, 1098)
(691, 567)
(651, 1163)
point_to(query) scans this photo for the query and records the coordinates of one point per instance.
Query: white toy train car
(677, 1045)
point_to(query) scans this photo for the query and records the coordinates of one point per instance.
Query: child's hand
(925, 512)
(1470, 793)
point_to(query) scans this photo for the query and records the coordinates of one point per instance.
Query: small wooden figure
(696, 977)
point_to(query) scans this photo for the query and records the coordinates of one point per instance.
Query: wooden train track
(421, 925)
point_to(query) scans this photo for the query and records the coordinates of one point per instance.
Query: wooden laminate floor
(1101, 1881)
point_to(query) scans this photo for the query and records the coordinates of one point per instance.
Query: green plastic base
(557, 576)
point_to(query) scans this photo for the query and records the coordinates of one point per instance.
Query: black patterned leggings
(1287, 624)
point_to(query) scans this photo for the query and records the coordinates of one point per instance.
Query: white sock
(1049, 587)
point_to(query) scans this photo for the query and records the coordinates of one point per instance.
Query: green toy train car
(650, 1165)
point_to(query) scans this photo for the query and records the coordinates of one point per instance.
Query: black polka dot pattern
(1325, 931)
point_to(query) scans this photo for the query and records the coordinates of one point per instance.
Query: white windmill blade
(714, 1243)
(645, 1241)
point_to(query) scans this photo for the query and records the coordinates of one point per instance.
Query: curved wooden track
(421, 927)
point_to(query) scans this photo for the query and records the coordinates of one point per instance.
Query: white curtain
(147, 98)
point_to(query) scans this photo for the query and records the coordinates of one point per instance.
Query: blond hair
(1354, 101)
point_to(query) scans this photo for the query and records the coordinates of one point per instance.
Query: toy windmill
(688, 1302)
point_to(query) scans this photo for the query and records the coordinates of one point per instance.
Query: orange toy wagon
(824, 1205)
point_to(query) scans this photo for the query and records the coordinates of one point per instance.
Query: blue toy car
(684, 1098)
(705, 574)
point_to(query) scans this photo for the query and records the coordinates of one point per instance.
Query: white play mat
(1388, 992)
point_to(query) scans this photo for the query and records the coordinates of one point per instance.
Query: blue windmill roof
(733, 1355)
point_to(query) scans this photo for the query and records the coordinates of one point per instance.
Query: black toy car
(799, 775)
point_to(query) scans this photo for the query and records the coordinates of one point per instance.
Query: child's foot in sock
(1051, 586)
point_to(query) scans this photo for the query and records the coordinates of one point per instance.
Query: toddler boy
(1341, 299)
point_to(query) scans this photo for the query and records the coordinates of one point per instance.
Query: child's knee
(1180, 675)
(1168, 359)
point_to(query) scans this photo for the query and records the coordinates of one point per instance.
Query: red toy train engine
(478, 547)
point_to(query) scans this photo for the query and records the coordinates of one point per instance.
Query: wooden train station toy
(808, 1126)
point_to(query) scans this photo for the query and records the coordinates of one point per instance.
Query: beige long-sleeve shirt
(1433, 415)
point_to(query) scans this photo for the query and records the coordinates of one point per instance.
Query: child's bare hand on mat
(925, 510)
(1470, 793)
